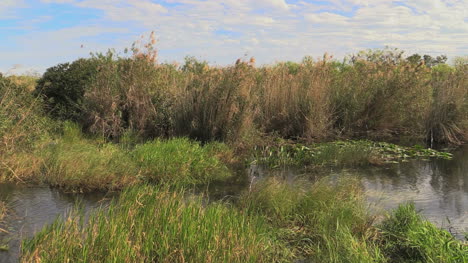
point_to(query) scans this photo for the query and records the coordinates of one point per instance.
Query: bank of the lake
(275, 221)
(275, 192)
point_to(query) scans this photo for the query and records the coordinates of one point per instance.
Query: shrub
(63, 87)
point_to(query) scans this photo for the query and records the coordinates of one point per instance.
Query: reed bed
(379, 95)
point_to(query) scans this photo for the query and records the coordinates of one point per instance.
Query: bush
(63, 87)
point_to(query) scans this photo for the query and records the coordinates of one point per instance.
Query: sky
(37, 34)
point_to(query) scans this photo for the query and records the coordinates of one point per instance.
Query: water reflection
(30, 209)
(439, 189)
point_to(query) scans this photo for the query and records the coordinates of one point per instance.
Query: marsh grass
(147, 224)
(273, 221)
(408, 237)
(295, 103)
(214, 103)
(74, 162)
(325, 222)
(180, 161)
(446, 122)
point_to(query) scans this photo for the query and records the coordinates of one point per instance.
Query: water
(439, 189)
(31, 208)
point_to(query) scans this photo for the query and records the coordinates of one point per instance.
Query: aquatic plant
(376, 94)
(343, 153)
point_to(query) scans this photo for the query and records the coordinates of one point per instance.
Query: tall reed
(215, 103)
(447, 121)
(295, 103)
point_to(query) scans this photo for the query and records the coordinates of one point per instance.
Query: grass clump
(180, 161)
(74, 163)
(407, 237)
(156, 225)
(325, 221)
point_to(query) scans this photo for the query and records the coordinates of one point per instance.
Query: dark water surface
(439, 189)
(31, 208)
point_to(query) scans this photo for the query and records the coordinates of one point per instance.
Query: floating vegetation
(344, 153)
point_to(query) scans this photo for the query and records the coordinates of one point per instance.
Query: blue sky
(37, 34)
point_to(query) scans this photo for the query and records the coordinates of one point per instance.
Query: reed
(2, 210)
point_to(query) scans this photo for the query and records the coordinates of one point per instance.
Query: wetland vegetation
(156, 132)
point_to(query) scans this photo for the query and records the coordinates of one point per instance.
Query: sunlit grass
(147, 224)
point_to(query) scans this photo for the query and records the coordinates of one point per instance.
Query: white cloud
(271, 30)
(7, 6)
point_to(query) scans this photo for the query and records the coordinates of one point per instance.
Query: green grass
(147, 224)
(324, 222)
(179, 161)
(76, 163)
(407, 237)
